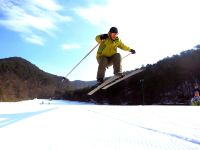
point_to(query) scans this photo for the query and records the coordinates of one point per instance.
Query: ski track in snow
(61, 125)
(194, 141)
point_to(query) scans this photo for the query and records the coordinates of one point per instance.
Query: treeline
(169, 81)
(20, 79)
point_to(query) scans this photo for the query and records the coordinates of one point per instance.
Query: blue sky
(56, 34)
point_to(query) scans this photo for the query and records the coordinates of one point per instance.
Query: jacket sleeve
(98, 38)
(123, 46)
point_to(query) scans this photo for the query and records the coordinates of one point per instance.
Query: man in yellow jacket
(107, 53)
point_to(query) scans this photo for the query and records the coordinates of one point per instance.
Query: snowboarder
(107, 53)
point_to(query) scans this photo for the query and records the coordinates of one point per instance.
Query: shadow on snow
(9, 119)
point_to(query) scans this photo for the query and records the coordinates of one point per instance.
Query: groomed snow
(63, 125)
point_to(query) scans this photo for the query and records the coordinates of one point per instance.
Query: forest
(169, 81)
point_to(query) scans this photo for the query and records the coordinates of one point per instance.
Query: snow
(61, 125)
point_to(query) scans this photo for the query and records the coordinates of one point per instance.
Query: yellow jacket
(108, 47)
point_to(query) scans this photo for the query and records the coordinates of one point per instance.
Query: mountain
(20, 79)
(169, 81)
(78, 84)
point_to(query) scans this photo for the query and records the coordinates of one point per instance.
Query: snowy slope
(61, 125)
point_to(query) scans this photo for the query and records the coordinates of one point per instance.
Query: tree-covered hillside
(19, 79)
(169, 81)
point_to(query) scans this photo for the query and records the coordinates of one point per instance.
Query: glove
(104, 36)
(132, 51)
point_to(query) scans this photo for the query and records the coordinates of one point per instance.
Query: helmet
(113, 30)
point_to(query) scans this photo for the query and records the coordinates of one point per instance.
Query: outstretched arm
(126, 48)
